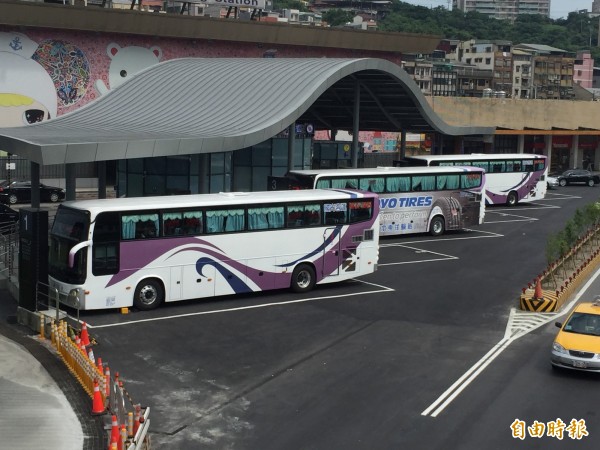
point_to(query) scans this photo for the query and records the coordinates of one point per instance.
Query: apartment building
(583, 69)
(420, 69)
(492, 56)
(553, 71)
(504, 9)
(522, 74)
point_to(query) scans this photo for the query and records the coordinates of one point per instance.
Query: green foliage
(336, 17)
(289, 4)
(553, 247)
(559, 244)
(576, 32)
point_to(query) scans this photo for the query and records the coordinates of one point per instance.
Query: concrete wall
(518, 114)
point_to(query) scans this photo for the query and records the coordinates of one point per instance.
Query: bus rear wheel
(437, 227)
(512, 199)
(148, 295)
(303, 278)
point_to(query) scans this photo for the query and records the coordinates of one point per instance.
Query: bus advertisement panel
(511, 178)
(144, 251)
(411, 199)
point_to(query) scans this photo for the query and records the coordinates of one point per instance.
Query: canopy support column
(35, 185)
(101, 167)
(291, 142)
(70, 181)
(355, 124)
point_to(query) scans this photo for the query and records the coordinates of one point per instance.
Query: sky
(558, 8)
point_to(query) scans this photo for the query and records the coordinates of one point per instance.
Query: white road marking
(517, 327)
(382, 289)
(442, 239)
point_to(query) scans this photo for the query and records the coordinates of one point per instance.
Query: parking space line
(516, 328)
(463, 238)
(383, 289)
(518, 218)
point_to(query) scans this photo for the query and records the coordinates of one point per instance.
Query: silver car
(552, 182)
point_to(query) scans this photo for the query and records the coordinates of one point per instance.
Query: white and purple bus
(510, 177)
(411, 199)
(117, 253)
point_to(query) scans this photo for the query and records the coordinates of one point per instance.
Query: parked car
(578, 176)
(552, 182)
(20, 192)
(577, 344)
(8, 216)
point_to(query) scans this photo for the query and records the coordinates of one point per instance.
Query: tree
(574, 33)
(337, 17)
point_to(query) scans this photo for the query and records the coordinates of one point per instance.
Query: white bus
(510, 177)
(142, 251)
(411, 199)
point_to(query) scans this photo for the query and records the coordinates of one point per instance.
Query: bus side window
(192, 223)
(360, 211)
(335, 213)
(172, 223)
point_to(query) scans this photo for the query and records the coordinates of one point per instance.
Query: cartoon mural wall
(27, 93)
(126, 62)
(45, 73)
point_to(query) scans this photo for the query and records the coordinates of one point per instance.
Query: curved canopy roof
(187, 106)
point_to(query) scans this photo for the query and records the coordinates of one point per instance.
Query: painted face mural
(126, 62)
(27, 93)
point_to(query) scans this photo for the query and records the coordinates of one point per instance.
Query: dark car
(573, 176)
(20, 192)
(8, 216)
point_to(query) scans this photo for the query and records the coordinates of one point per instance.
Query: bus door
(198, 284)
(332, 252)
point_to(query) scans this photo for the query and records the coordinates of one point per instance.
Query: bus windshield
(70, 228)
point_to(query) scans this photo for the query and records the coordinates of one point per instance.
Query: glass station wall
(242, 170)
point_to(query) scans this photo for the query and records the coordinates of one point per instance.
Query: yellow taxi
(577, 344)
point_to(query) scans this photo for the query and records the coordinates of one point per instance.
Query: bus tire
(512, 199)
(149, 294)
(303, 278)
(437, 227)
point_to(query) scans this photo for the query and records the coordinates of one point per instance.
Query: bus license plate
(580, 364)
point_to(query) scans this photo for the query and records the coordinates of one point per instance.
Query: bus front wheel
(303, 278)
(512, 199)
(148, 295)
(436, 228)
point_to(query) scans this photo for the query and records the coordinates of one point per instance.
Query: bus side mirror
(75, 249)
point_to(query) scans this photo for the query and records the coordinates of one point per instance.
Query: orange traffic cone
(97, 404)
(84, 335)
(90, 354)
(538, 294)
(100, 366)
(136, 424)
(107, 377)
(123, 438)
(115, 435)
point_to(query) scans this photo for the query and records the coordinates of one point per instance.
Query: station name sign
(258, 4)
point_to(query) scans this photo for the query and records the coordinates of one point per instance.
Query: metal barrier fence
(9, 251)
